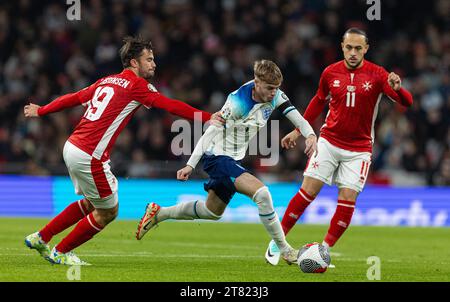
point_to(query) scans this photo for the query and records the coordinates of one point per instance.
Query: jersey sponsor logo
(151, 88)
(336, 83)
(351, 88)
(367, 85)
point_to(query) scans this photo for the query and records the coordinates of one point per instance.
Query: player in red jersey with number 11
(352, 88)
(110, 103)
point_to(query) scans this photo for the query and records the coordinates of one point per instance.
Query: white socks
(198, 210)
(187, 211)
(269, 217)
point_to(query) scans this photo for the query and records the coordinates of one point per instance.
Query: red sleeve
(147, 96)
(68, 100)
(318, 102)
(402, 96)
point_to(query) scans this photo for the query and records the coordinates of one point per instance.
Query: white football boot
(148, 221)
(34, 241)
(290, 255)
(68, 258)
(272, 253)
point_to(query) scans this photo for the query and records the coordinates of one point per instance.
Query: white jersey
(244, 118)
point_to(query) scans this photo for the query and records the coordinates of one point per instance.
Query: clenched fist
(183, 174)
(394, 81)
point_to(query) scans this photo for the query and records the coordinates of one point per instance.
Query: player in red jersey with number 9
(110, 103)
(352, 88)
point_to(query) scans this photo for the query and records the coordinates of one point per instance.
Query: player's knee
(114, 213)
(263, 200)
(311, 192)
(87, 205)
(348, 194)
(105, 216)
(312, 186)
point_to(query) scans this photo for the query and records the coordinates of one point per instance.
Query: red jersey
(111, 102)
(353, 97)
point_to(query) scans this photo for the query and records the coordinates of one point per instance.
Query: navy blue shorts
(222, 171)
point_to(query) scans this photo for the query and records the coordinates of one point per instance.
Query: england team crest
(266, 112)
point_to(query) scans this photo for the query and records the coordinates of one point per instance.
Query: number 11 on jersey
(350, 99)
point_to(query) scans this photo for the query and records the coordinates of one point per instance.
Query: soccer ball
(313, 258)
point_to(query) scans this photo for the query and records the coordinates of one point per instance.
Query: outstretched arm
(62, 102)
(147, 95)
(179, 108)
(65, 101)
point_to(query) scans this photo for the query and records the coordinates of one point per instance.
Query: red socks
(71, 215)
(84, 231)
(295, 209)
(340, 221)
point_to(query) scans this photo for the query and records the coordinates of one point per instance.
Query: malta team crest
(367, 85)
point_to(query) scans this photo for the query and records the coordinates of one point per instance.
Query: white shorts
(91, 178)
(333, 165)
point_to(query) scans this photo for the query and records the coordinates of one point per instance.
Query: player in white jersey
(222, 147)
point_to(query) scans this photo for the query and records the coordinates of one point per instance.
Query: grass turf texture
(211, 251)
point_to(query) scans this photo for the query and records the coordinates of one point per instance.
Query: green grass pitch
(227, 252)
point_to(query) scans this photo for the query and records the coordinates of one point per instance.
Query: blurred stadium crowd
(206, 49)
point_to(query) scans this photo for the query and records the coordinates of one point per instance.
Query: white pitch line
(150, 255)
(147, 255)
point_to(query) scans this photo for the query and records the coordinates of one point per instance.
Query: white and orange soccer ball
(313, 258)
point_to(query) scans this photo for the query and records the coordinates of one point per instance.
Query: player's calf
(340, 222)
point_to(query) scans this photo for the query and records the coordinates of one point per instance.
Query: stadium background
(204, 50)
